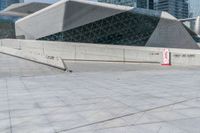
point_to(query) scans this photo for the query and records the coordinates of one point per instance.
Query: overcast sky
(45, 1)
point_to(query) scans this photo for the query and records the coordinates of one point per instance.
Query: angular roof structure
(94, 22)
(23, 9)
(14, 12)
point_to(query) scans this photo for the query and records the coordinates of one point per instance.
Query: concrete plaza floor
(98, 98)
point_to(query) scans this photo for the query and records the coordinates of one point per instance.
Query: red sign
(166, 57)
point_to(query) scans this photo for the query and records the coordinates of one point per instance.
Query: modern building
(7, 27)
(102, 23)
(147, 4)
(132, 3)
(177, 8)
(194, 8)
(11, 14)
(5, 3)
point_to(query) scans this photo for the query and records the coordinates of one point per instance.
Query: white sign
(166, 57)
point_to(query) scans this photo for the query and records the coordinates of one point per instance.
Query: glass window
(124, 29)
(7, 26)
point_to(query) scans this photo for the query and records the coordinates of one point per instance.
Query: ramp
(52, 61)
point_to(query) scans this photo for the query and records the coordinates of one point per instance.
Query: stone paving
(40, 99)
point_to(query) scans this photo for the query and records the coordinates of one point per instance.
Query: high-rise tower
(6, 3)
(148, 4)
(194, 8)
(178, 8)
(121, 2)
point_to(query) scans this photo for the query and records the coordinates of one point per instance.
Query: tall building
(194, 8)
(178, 8)
(132, 3)
(6, 3)
(148, 4)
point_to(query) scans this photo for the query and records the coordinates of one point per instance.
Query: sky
(45, 1)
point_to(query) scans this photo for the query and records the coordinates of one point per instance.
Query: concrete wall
(82, 51)
(33, 53)
(97, 52)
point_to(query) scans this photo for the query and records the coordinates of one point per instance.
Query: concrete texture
(16, 67)
(103, 53)
(23, 9)
(27, 8)
(83, 51)
(197, 25)
(53, 61)
(132, 98)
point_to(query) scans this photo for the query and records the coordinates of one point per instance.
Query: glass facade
(178, 8)
(6, 3)
(124, 29)
(147, 4)
(7, 26)
(194, 8)
(131, 3)
(2, 4)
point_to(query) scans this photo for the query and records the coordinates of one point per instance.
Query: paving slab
(98, 98)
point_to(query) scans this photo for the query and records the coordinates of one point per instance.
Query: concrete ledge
(52, 61)
(98, 52)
